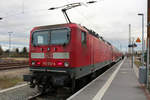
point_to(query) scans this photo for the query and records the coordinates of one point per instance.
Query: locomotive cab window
(51, 37)
(60, 36)
(40, 38)
(83, 37)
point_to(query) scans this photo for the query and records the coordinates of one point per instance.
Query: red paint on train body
(81, 53)
(60, 54)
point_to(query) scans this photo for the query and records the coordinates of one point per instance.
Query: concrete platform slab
(118, 83)
(125, 86)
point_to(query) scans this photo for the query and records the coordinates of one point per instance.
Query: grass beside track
(6, 82)
(15, 59)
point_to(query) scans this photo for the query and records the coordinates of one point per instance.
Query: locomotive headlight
(66, 64)
(33, 63)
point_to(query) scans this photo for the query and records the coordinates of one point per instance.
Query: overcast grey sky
(109, 18)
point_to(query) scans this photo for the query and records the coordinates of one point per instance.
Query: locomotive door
(92, 54)
(48, 53)
(48, 58)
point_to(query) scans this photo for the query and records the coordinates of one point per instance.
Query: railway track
(13, 65)
(27, 93)
(60, 95)
(16, 63)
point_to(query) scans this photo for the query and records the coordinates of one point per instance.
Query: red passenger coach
(61, 54)
(116, 54)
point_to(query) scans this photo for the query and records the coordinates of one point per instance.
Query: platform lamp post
(147, 68)
(141, 14)
(10, 42)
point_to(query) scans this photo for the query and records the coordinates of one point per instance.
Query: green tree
(17, 50)
(24, 52)
(7, 51)
(1, 50)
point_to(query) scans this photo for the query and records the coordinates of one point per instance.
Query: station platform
(118, 83)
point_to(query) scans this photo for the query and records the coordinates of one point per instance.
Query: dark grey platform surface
(124, 86)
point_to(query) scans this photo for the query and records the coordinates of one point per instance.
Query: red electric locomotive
(60, 54)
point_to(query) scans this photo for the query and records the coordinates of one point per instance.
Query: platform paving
(125, 86)
(118, 83)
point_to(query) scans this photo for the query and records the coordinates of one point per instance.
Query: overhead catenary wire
(24, 12)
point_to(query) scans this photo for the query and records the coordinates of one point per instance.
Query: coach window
(83, 37)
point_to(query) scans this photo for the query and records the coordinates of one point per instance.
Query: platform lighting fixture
(91, 2)
(70, 6)
(141, 14)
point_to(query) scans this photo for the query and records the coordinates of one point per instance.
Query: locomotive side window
(83, 37)
(60, 36)
(40, 38)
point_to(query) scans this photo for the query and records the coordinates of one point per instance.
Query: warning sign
(138, 40)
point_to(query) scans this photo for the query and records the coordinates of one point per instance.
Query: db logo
(48, 55)
(49, 63)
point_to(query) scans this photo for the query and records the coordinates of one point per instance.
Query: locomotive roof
(72, 24)
(55, 26)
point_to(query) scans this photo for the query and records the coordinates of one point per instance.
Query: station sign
(138, 40)
(132, 45)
